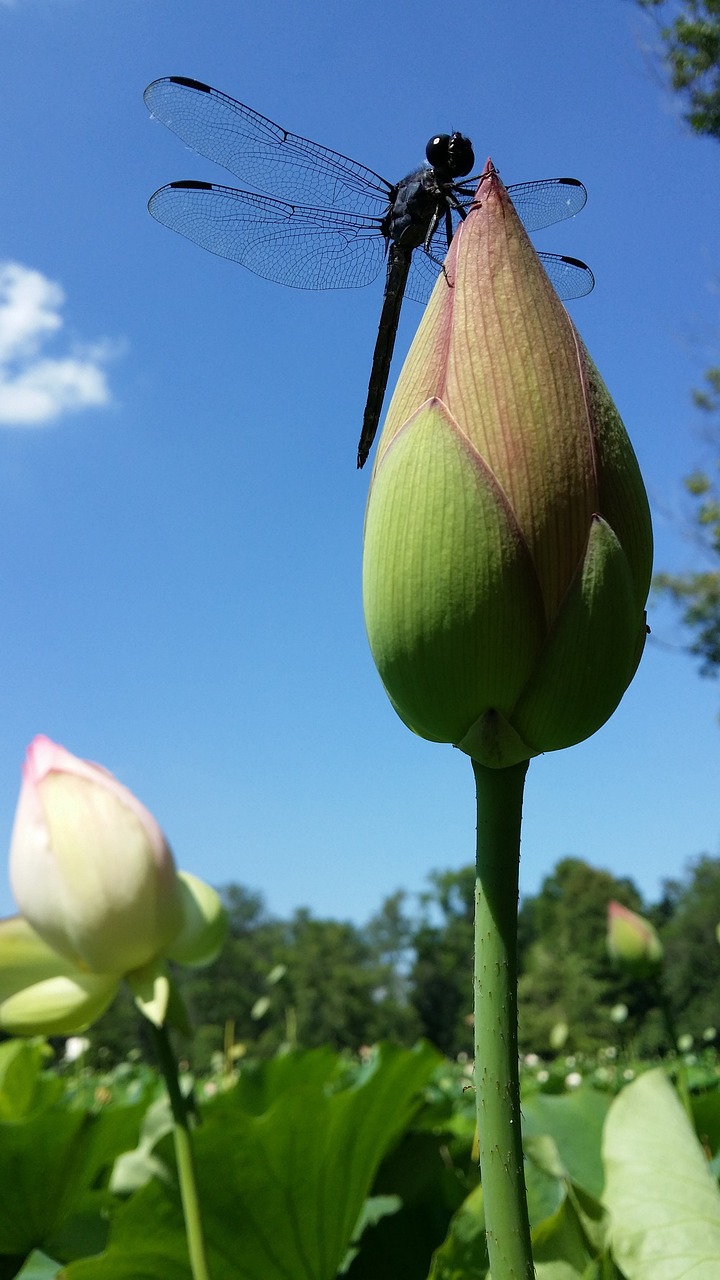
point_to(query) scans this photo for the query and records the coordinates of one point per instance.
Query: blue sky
(180, 514)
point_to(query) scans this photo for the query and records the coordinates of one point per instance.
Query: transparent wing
(260, 152)
(550, 200)
(539, 204)
(290, 244)
(569, 277)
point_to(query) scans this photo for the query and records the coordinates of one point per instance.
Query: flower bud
(633, 943)
(508, 544)
(89, 867)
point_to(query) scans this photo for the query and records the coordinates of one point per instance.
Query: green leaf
(39, 1267)
(664, 1204)
(706, 1115)
(281, 1192)
(22, 1086)
(463, 1255)
(560, 1251)
(430, 1188)
(575, 1122)
(48, 1163)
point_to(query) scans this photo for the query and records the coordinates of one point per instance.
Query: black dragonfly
(348, 221)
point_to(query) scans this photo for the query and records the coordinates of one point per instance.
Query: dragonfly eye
(451, 154)
(461, 157)
(438, 150)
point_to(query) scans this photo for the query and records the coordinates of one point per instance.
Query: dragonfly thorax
(450, 154)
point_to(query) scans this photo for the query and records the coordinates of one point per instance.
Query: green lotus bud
(632, 942)
(508, 544)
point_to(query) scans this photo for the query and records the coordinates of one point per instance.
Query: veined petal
(513, 383)
(590, 654)
(623, 500)
(452, 604)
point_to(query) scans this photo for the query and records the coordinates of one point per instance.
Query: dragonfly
(320, 220)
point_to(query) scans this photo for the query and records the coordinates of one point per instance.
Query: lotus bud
(633, 943)
(508, 544)
(90, 868)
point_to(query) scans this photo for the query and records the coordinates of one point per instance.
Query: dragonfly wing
(569, 277)
(426, 267)
(290, 244)
(422, 279)
(540, 204)
(260, 152)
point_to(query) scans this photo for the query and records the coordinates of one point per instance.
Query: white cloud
(36, 388)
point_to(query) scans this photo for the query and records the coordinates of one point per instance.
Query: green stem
(183, 1151)
(497, 1084)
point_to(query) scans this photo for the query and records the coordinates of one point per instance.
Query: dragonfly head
(450, 154)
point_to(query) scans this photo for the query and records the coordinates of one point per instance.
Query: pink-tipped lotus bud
(89, 866)
(508, 543)
(633, 943)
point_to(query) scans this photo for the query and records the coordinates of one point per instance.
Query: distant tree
(389, 934)
(331, 982)
(697, 593)
(692, 53)
(441, 976)
(566, 976)
(691, 975)
(229, 989)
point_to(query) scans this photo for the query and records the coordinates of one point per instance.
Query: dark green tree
(691, 974)
(697, 593)
(390, 935)
(441, 976)
(566, 976)
(335, 983)
(691, 36)
(229, 989)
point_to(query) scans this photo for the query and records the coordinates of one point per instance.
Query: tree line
(407, 973)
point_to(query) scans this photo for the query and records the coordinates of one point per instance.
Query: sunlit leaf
(663, 1202)
(281, 1190)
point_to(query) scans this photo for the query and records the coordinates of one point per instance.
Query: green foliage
(692, 53)
(697, 593)
(441, 979)
(408, 974)
(663, 1202)
(692, 971)
(314, 1165)
(285, 1160)
(55, 1161)
(566, 976)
